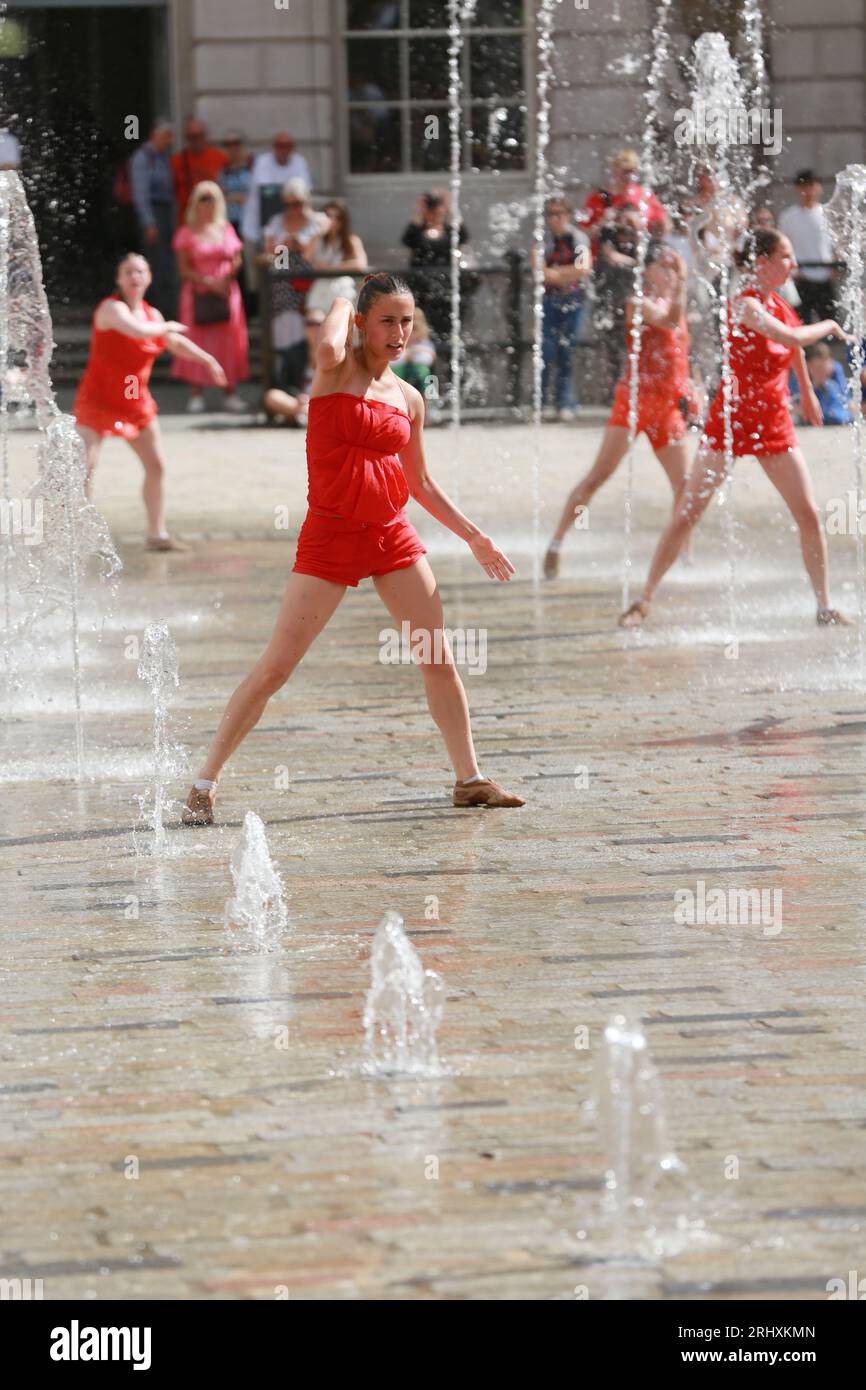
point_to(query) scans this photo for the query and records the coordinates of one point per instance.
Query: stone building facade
(266, 66)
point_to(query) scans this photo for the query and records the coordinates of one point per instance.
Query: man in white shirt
(10, 150)
(274, 168)
(805, 226)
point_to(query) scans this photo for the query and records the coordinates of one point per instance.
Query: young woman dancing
(766, 340)
(114, 396)
(663, 385)
(365, 456)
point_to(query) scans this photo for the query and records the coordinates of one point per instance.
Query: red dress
(113, 395)
(760, 420)
(226, 341)
(356, 525)
(662, 382)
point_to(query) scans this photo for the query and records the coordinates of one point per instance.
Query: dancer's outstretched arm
(753, 315)
(117, 315)
(437, 503)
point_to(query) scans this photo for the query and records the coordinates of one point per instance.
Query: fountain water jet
(403, 1008)
(258, 901)
(73, 532)
(659, 44)
(542, 139)
(631, 1117)
(459, 13)
(846, 218)
(158, 667)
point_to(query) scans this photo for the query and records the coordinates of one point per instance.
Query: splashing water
(846, 218)
(544, 44)
(72, 530)
(258, 902)
(659, 46)
(158, 667)
(460, 12)
(718, 87)
(631, 1115)
(404, 1007)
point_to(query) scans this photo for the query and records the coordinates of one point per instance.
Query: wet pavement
(184, 1116)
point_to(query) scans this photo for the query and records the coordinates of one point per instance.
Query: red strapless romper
(356, 525)
(760, 420)
(662, 382)
(113, 396)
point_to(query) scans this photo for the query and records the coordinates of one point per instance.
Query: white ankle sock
(203, 785)
(479, 777)
(555, 545)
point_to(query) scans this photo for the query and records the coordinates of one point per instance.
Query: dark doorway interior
(70, 77)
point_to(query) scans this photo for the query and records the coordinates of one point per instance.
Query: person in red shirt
(663, 386)
(197, 162)
(622, 187)
(766, 340)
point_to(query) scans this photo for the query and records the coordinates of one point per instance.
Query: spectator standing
(209, 253)
(152, 187)
(428, 237)
(235, 179)
(567, 263)
(805, 226)
(614, 281)
(198, 162)
(272, 170)
(622, 186)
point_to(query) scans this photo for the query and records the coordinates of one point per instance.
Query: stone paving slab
(650, 763)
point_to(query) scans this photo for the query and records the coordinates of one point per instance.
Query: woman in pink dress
(208, 255)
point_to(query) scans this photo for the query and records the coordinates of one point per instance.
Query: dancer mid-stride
(365, 457)
(663, 386)
(113, 396)
(766, 341)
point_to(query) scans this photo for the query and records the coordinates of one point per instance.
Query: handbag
(209, 307)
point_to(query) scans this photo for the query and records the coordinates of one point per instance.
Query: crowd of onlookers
(208, 216)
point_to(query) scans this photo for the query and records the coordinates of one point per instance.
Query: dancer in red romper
(365, 456)
(114, 395)
(766, 342)
(663, 383)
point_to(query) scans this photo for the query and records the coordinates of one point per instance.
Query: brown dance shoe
(635, 614)
(199, 806)
(486, 793)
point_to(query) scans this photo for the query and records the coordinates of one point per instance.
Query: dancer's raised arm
(752, 314)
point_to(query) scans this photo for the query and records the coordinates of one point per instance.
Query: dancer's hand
(491, 558)
(171, 326)
(810, 409)
(218, 376)
(835, 331)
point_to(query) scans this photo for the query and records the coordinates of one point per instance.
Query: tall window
(397, 65)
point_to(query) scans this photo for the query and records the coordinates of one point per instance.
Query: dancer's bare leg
(674, 459)
(612, 451)
(790, 477)
(308, 605)
(148, 447)
(705, 476)
(411, 596)
(92, 445)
